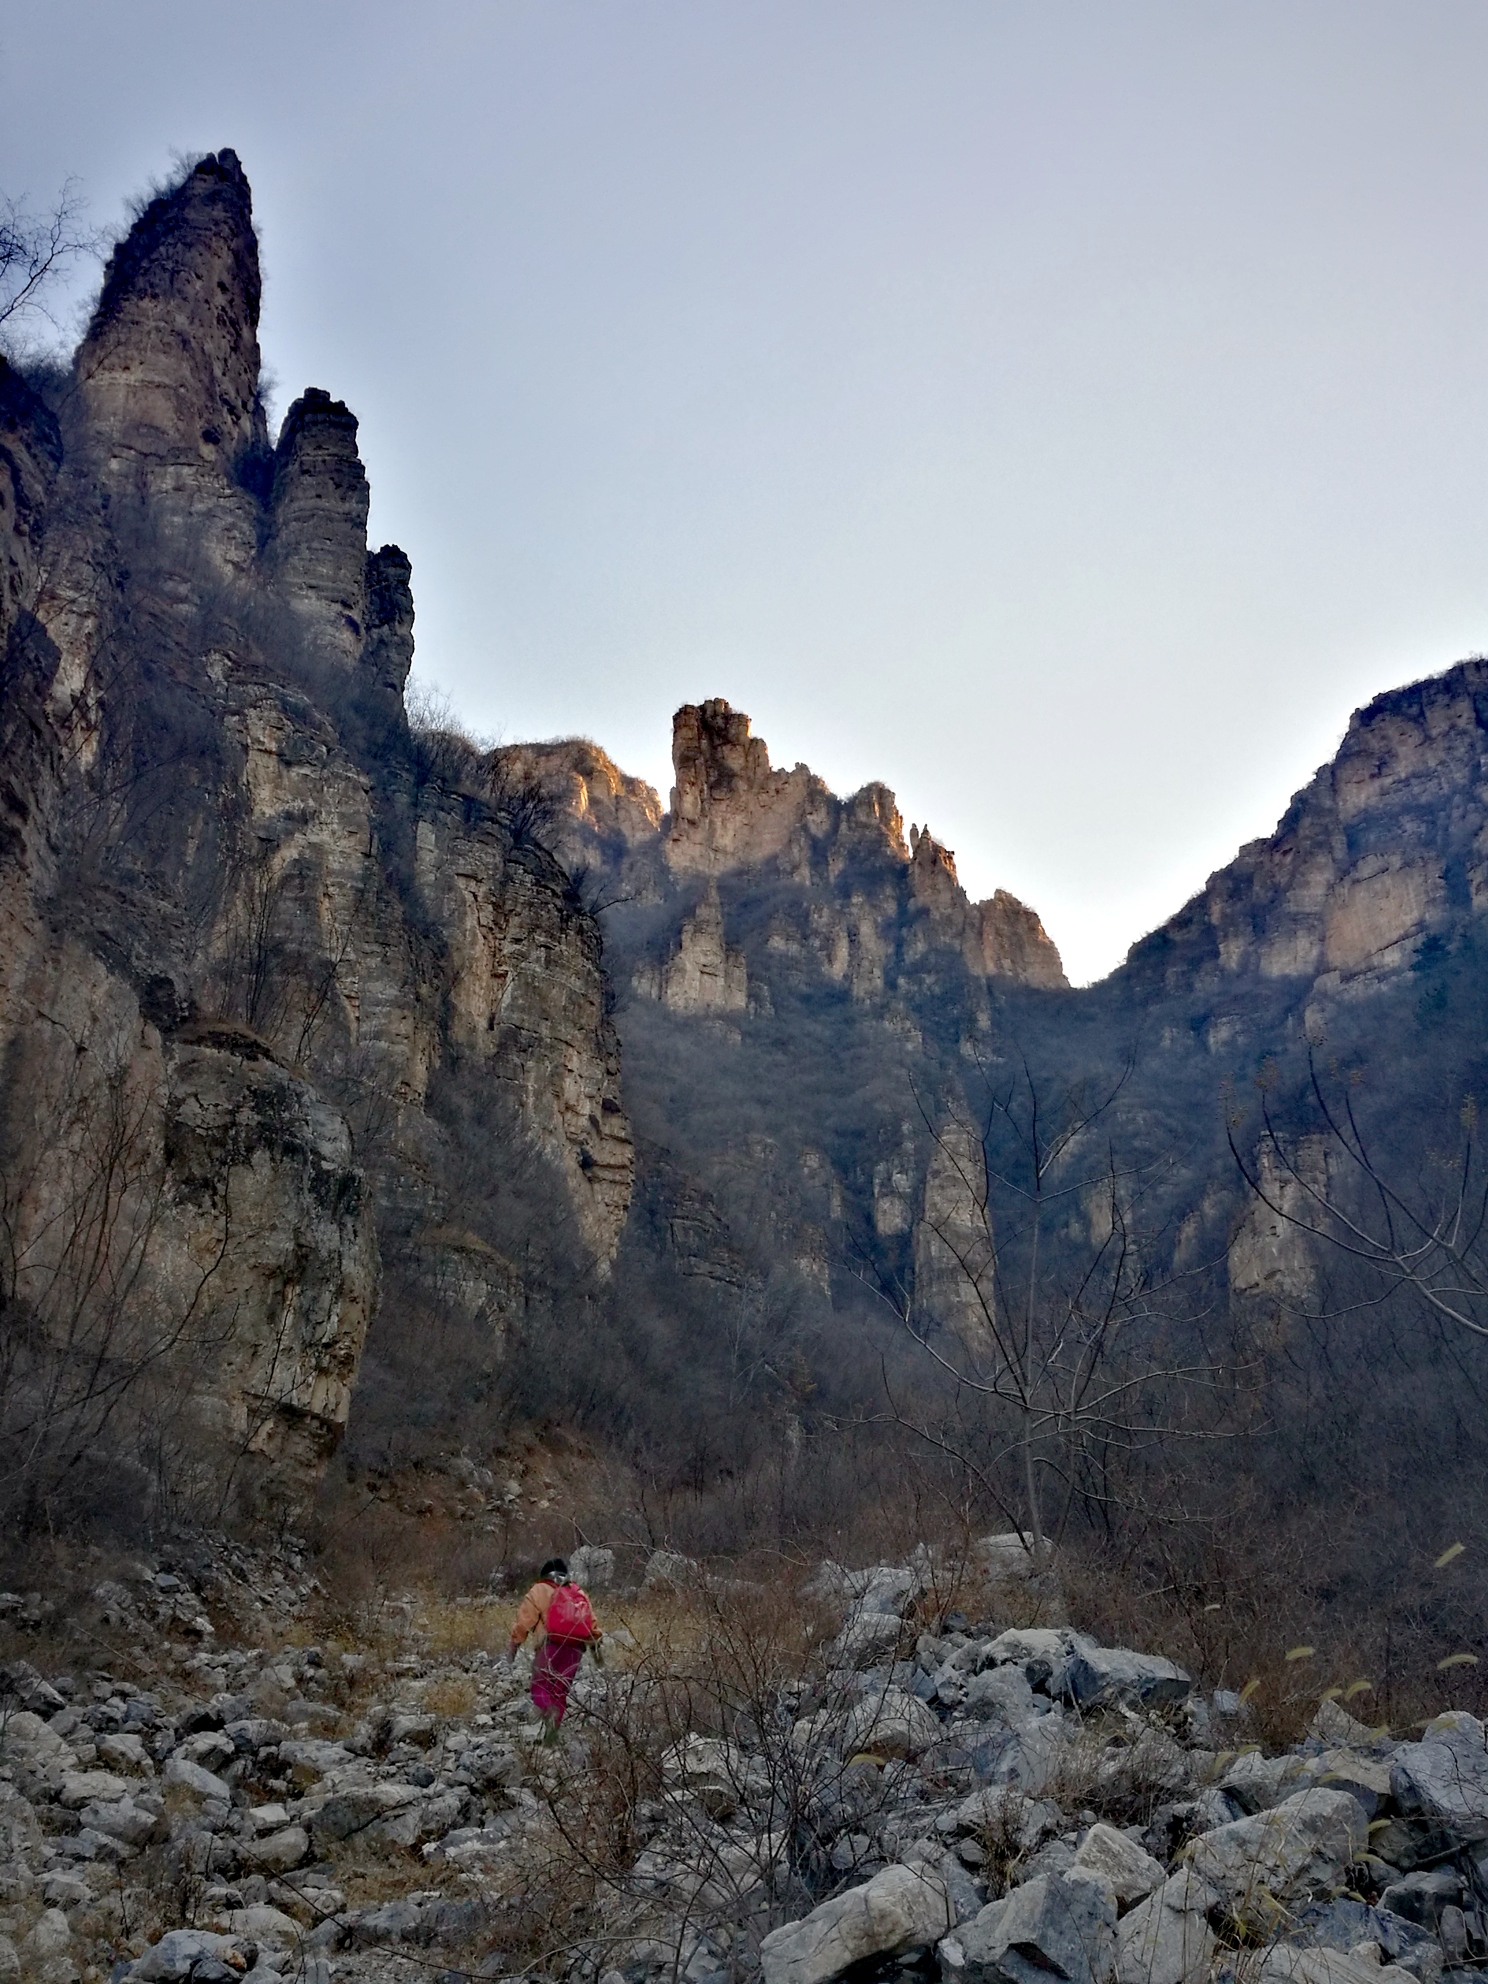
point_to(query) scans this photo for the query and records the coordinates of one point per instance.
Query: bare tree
(1429, 1239)
(92, 1327)
(1041, 1307)
(35, 249)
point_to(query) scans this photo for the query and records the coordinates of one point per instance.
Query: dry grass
(452, 1695)
(1259, 1613)
(452, 1630)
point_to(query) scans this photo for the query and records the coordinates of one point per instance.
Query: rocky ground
(853, 1777)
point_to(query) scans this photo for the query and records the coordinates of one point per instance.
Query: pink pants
(553, 1671)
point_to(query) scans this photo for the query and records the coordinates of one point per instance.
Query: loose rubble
(938, 1800)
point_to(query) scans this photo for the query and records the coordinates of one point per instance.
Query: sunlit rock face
(1386, 847)
(321, 969)
(791, 925)
(1014, 943)
(729, 809)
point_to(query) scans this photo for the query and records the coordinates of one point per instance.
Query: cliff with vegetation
(270, 992)
(315, 1135)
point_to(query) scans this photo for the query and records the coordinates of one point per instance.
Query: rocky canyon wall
(250, 938)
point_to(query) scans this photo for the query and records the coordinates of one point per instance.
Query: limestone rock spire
(168, 372)
(388, 653)
(318, 536)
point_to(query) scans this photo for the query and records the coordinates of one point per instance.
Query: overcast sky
(1066, 413)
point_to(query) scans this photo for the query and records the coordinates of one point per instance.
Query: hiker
(558, 1614)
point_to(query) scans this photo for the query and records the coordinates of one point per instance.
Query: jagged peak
(317, 420)
(320, 502)
(169, 368)
(213, 194)
(927, 852)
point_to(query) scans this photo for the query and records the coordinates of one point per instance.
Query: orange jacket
(531, 1615)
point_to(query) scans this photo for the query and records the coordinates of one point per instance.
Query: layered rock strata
(760, 894)
(223, 856)
(319, 505)
(1387, 846)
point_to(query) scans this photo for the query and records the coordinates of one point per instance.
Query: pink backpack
(569, 1615)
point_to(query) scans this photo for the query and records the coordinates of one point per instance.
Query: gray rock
(891, 1724)
(592, 1567)
(902, 1908)
(1286, 1964)
(84, 1787)
(1445, 1776)
(1002, 1692)
(1127, 1870)
(1099, 1674)
(1421, 1897)
(1294, 1851)
(277, 1852)
(1059, 1926)
(866, 1638)
(1254, 1783)
(1167, 1939)
(10, 1962)
(197, 1954)
(200, 1783)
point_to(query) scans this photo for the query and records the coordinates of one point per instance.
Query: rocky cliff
(873, 902)
(1387, 847)
(778, 942)
(809, 938)
(252, 940)
(293, 997)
